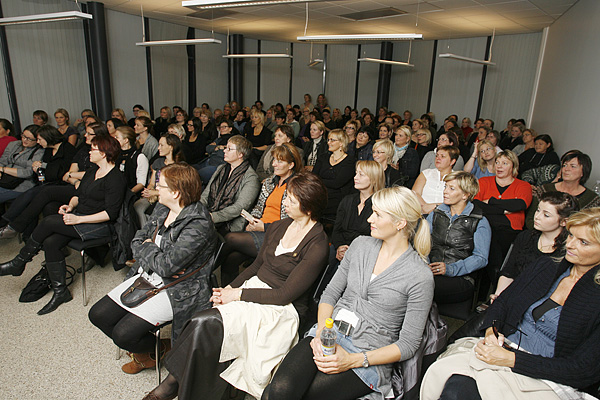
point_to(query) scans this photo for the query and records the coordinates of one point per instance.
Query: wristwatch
(366, 360)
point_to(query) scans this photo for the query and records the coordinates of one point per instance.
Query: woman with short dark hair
(97, 202)
(178, 239)
(264, 305)
(541, 154)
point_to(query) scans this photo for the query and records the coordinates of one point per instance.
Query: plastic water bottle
(41, 175)
(328, 336)
(597, 188)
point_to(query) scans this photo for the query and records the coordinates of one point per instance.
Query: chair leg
(118, 354)
(83, 289)
(157, 354)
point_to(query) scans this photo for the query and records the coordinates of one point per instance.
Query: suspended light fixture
(472, 60)
(182, 42)
(380, 61)
(258, 55)
(205, 4)
(366, 37)
(50, 17)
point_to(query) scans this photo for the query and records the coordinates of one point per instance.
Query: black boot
(57, 273)
(16, 266)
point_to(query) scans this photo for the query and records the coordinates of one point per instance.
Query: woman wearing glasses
(194, 144)
(446, 139)
(422, 142)
(87, 216)
(482, 161)
(552, 313)
(336, 172)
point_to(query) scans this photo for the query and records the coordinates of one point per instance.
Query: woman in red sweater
(503, 199)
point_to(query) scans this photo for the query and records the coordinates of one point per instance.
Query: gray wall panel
(368, 78)
(211, 71)
(275, 74)
(341, 75)
(306, 79)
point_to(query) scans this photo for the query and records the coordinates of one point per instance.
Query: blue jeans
(7, 195)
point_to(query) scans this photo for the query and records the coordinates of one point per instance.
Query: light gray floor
(60, 355)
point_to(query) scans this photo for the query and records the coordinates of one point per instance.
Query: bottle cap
(329, 323)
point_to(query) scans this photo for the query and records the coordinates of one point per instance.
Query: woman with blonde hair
(383, 153)
(374, 331)
(316, 147)
(422, 142)
(257, 133)
(119, 114)
(63, 124)
(482, 161)
(405, 157)
(542, 339)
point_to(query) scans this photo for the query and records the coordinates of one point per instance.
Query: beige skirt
(493, 382)
(256, 337)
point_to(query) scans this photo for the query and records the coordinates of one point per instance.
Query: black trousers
(54, 235)
(460, 387)
(452, 289)
(127, 331)
(298, 378)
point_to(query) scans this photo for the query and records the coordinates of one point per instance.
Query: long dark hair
(174, 142)
(565, 205)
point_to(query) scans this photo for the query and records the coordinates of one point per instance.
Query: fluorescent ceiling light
(50, 17)
(315, 62)
(178, 42)
(467, 59)
(333, 38)
(257, 56)
(204, 4)
(379, 61)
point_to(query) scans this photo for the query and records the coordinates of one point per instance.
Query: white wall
(48, 62)
(410, 85)
(211, 71)
(341, 74)
(568, 97)
(275, 74)
(127, 61)
(368, 78)
(306, 79)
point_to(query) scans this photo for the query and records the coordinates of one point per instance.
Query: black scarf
(224, 187)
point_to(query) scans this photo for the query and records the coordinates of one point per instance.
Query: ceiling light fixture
(178, 42)
(257, 55)
(205, 4)
(380, 61)
(349, 38)
(467, 59)
(50, 17)
(315, 62)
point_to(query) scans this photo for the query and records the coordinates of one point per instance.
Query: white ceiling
(435, 19)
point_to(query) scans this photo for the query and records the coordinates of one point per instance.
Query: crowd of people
(386, 214)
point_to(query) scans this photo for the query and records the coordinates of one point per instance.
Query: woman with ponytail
(379, 298)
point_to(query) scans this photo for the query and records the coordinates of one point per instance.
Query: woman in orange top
(240, 246)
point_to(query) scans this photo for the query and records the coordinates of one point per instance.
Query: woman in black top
(194, 144)
(87, 215)
(132, 163)
(542, 154)
(257, 133)
(336, 172)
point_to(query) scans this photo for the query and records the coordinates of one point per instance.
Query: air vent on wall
(212, 14)
(374, 14)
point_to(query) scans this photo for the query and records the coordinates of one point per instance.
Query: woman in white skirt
(255, 319)
(178, 238)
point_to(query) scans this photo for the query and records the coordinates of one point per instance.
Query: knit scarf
(224, 187)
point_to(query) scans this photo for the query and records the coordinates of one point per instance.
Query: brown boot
(139, 362)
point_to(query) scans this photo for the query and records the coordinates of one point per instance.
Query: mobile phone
(247, 216)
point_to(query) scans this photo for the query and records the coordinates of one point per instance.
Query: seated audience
(528, 137)
(7, 132)
(179, 239)
(483, 160)
(460, 236)
(283, 134)
(317, 146)
(115, 113)
(466, 128)
(541, 331)
(16, 170)
(40, 117)
(263, 305)
(170, 152)
(385, 131)
(405, 157)
(132, 162)
(478, 135)
(389, 266)
(240, 121)
(161, 124)
(576, 168)
(495, 138)
(429, 186)
(233, 187)
(542, 154)
(503, 199)
(514, 139)
(336, 172)
(136, 109)
(383, 154)
(112, 125)
(215, 151)
(257, 133)
(70, 134)
(241, 246)
(351, 129)
(208, 127)
(445, 139)
(87, 216)
(145, 137)
(176, 130)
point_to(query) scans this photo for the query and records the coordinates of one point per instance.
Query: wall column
(99, 53)
(236, 44)
(385, 75)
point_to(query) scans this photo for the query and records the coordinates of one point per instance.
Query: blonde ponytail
(422, 239)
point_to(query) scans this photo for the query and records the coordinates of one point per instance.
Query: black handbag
(10, 182)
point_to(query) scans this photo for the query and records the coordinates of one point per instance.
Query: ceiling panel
(437, 19)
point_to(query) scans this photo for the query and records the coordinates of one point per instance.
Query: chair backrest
(213, 278)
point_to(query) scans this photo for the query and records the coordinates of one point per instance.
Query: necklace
(335, 161)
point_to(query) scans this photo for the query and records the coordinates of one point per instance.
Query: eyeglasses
(420, 134)
(378, 152)
(159, 186)
(28, 138)
(507, 343)
(230, 148)
(351, 128)
(332, 140)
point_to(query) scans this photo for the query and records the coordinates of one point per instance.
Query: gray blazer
(13, 158)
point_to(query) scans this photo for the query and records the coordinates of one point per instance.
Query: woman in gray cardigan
(16, 163)
(379, 298)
